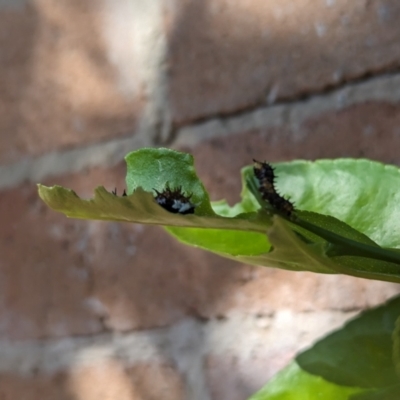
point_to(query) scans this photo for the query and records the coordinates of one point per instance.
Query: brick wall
(89, 310)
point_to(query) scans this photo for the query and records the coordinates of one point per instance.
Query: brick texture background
(97, 310)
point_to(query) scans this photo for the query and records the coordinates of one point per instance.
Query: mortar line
(57, 163)
(385, 88)
(301, 96)
(184, 343)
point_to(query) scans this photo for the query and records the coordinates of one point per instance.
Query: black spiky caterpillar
(265, 175)
(175, 201)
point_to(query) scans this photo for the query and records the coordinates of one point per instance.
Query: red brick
(57, 87)
(162, 282)
(43, 274)
(46, 274)
(66, 277)
(227, 56)
(154, 382)
(34, 387)
(230, 378)
(111, 380)
(107, 379)
(250, 352)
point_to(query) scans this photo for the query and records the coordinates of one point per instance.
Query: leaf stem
(343, 245)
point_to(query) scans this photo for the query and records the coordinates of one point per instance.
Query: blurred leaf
(353, 363)
(396, 347)
(360, 353)
(292, 383)
(388, 393)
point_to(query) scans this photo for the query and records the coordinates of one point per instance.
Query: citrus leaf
(150, 170)
(345, 213)
(361, 193)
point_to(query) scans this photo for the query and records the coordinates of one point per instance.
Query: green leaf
(355, 191)
(360, 353)
(156, 168)
(396, 347)
(292, 383)
(149, 170)
(361, 193)
(228, 243)
(339, 248)
(389, 393)
(288, 251)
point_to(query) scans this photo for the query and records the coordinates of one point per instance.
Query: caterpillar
(265, 175)
(173, 200)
